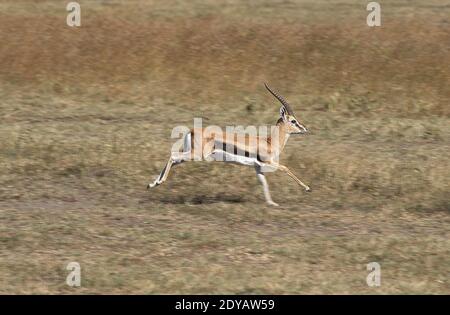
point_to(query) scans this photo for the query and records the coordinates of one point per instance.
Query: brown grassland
(86, 117)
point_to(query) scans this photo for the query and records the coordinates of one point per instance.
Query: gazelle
(262, 152)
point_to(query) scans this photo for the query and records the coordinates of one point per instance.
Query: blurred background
(87, 112)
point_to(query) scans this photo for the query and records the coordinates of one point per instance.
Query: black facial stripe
(300, 126)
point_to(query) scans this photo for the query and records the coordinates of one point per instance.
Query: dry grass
(86, 121)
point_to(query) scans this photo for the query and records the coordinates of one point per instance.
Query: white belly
(222, 156)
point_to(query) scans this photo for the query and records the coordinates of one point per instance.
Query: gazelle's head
(292, 124)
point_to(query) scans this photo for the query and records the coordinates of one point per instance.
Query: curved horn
(281, 99)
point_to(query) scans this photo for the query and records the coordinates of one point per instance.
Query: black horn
(281, 99)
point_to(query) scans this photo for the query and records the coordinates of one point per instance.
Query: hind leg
(175, 158)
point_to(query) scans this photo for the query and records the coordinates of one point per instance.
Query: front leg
(263, 181)
(292, 175)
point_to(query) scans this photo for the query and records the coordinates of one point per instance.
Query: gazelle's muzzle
(302, 130)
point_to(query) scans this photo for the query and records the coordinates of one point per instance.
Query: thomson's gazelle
(262, 152)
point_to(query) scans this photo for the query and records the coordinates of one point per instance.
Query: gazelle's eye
(293, 121)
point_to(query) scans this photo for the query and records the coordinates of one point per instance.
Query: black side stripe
(235, 150)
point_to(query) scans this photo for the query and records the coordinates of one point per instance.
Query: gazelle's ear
(283, 112)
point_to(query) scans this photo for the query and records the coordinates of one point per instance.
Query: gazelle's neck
(281, 133)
